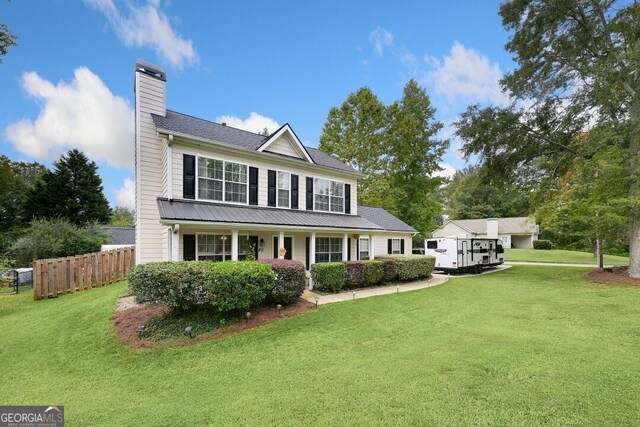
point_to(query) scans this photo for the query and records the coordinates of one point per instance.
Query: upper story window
(328, 195)
(222, 181)
(284, 189)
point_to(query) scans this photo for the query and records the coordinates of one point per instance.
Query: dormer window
(284, 189)
(328, 195)
(222, 181)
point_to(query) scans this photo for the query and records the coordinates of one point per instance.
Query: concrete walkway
(436, 279)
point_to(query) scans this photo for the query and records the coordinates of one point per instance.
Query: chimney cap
(150, 69)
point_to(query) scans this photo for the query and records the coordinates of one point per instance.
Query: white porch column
(312, 249)
(372, 255)
(234, 245)
(175, 243)
(345, 247)
(280, 242)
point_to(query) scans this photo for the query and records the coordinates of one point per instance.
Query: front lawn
(560, 256)
(525, 346)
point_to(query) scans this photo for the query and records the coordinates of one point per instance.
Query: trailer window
(499, 249)
(432, 244)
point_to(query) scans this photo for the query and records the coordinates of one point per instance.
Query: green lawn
(560, 256)
(525, 346)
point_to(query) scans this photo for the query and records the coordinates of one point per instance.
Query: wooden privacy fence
(60, 276)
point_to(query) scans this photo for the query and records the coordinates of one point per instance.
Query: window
(364, 249)
(284, 189)
(432, 244)
(216, 247)
(328, 195)
(222, 181)
(328, 249)
(396, 247)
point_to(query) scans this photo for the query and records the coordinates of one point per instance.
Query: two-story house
(207, 191)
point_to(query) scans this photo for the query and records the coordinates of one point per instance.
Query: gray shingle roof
(384, 219)
(120, 235)
(186, 210)
(204, 129)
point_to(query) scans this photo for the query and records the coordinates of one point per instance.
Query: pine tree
(73, 190)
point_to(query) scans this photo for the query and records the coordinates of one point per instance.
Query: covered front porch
(218, 242)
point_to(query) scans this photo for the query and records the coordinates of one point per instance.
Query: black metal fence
(16, 281)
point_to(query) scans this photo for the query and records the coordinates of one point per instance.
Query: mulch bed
(612, 276)
(126, 324)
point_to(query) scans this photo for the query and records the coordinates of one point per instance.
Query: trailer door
(465, 250)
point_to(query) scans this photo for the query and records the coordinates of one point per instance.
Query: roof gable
(514, 225)
(285, 141)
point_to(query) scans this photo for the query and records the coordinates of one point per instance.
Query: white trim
(278, 189)
(329, 195)
(224, 181)
(286, 129)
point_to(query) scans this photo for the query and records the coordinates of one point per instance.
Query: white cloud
(447, 171)
(380, 38)
(148, 26)
(82, 114)
(254, 123)
(126, 195)
(466, 74)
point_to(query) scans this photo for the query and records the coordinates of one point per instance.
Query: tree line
(51, 213)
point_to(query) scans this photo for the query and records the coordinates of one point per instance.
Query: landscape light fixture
(279, 307)
(188, 331)
(140, 330)
(317, 299)
(397, 289)
(247, 315)
(354, 294)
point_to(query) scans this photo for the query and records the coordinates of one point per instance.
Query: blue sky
(253, 64)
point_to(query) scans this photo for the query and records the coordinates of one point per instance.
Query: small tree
(121, 216)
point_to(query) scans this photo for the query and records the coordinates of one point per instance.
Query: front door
(288, 245)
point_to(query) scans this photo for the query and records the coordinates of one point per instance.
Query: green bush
(179, 285)
(290, 280)
(328, 276)
(354, 274)
(542, 244)
(373, 272)
(413, 267)
(389, 269)
(54, 238)
(238, 285)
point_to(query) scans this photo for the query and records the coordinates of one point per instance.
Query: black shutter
(309, 194)
(188, 176)
(349, 249)
(275, 246)
(347, 198)
(402, 246)
(308, 242)
(294, 191)
(389, 246)
(253, 185)
(271, 188)
(189, 247)
(358, 249)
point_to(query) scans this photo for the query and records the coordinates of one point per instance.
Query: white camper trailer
(457, 254)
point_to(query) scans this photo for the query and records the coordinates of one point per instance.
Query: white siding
(284, 145)
(151, 237)
(451, 230)
(179, 149)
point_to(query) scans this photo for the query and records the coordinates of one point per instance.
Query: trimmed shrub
(328, 276)
(179, 285)
(412, 267)
(389, 270)
(354, 274)
(542, 244)
(373, 272)
(238, 285)
(290, 280)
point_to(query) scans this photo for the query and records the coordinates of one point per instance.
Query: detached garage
(518, 232)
